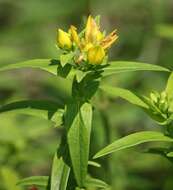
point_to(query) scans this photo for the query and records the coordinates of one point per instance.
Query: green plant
(83, 61)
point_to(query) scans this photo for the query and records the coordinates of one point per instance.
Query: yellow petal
(87, 47)
(109, 40)
(74, 35)
(100, 36)
(63, 39)
(92, 30)
(96, 55)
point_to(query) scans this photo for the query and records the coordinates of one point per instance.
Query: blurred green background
(28, 31)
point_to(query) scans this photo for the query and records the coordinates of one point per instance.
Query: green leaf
(87, 87)
(60, 174)
(80, 75)
(66, 58)
(41, 108)
(170, 154)
(126, 66)
(93, 182)
(79, 124)
(123, 93)
(63, 71)
(9, 178)
(133, 140)
(86, 114)
(48, 65)
(41, 181)
(95, 164)
(169, 87)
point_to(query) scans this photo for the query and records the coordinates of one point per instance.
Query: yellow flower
(63, 40)
(94, 36)
(95, 55)
(87, 47)
(74, 35)
(92, 44)
(92, 32)
(100, 36)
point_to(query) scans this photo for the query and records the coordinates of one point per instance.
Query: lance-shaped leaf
(123, 93)
(133, 140)
(126, 66)
(60, 174)
(95, 164)
(45, 109)
(78, 121)
(49, 65)
(169, 87)
(41, 181)
(93, 182)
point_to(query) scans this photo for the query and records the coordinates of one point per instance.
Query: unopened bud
(96, 55)
(63, 40)
(74, 35)
(154, 97)
(163, 96)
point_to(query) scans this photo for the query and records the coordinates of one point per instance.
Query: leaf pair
(51, 66)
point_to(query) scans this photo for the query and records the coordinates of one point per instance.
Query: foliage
(31, 142)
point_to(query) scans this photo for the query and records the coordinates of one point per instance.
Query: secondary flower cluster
(161, 105)
(91, 45)
(160, 101)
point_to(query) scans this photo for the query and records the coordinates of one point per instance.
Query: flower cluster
(91, 45)
(161, 105)
(160, 102)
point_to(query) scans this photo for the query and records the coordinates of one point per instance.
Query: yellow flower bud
(92, 32)
(63, 39)
(96, 55)
(74, 35)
